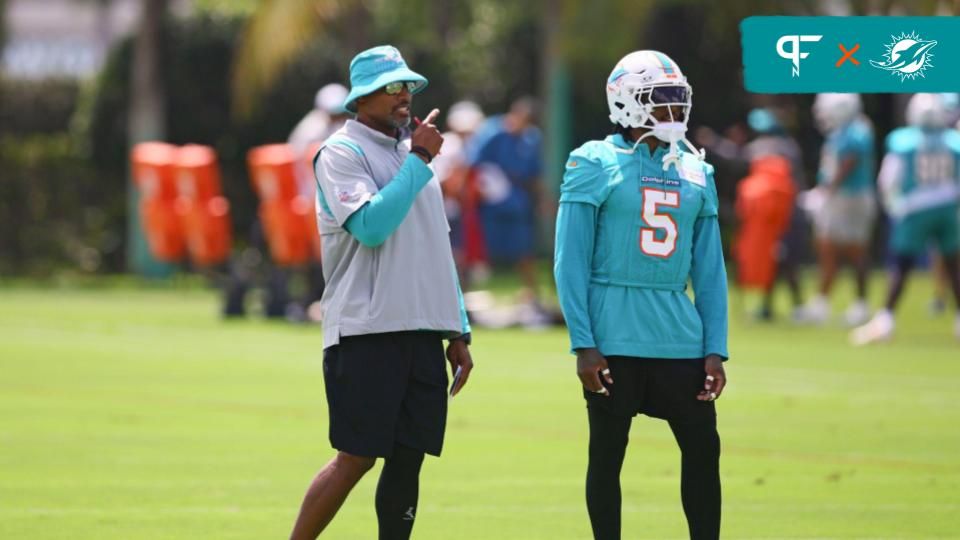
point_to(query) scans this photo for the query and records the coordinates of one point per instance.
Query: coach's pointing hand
(590, 366)
(427, 136)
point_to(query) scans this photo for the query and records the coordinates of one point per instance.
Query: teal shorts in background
(939, 227)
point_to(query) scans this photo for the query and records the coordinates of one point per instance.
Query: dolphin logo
(908, 56)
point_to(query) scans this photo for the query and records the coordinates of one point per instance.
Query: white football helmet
(927, 111)
(831, 111)
(639, 83)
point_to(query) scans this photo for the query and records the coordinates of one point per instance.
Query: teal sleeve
(583, 179)
(709, 277)
(464, 321)
(376, 220)
(576, 223)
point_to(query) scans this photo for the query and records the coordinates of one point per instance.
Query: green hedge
(30, 107)
(54, 209)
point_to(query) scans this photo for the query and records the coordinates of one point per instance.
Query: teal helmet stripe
(667, 65)
(617, 73)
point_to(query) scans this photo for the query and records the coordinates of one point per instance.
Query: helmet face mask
(643, 83)
(672, 127)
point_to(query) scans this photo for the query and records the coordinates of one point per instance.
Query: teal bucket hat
(375, 68)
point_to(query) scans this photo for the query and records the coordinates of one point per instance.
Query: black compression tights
(699, 479)
(397, 493)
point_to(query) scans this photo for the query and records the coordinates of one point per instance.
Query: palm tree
(278, 30)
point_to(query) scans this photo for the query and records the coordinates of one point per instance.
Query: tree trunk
(146, 121)
(147, 107)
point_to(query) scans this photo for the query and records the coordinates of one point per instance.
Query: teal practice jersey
(921, 170)
(629, 238)
(855, 140)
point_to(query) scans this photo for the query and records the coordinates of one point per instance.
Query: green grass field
(138, 414)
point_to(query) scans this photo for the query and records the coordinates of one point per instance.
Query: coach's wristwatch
(465, 338)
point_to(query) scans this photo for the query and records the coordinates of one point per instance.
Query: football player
(920, 185)
(844, 220)
(637, 220)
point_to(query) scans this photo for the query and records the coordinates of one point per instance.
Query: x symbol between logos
(848, 55)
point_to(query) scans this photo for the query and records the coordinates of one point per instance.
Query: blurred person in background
(920, 186)
(326, 117)
(941, 283)
(637, 220)
(773, 140)
(843, 204)
(391, 300)
(729, 146)
(505, 153)
(727, 152)
(451, 168)
(764, 207)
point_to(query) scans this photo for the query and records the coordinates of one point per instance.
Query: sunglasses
(395, 88)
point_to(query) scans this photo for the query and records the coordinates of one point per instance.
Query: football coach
(392, 297)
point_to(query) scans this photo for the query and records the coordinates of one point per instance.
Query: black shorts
(384, 389)
(657, 387)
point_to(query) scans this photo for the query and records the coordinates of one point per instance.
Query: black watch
(465, 338)
(422, 152)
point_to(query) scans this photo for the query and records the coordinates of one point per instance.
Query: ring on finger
(605, 371)
(711, 378)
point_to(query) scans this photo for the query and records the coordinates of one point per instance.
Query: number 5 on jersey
(658, 224)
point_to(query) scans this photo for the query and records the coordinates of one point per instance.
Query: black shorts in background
(384, 389)
(664, 388)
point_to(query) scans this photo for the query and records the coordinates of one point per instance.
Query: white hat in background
(464, 117)
(330, 99)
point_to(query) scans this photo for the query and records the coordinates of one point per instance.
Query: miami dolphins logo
(907, 56)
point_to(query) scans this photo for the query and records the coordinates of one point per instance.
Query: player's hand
(716, 379)
(427, 135)
(458, 353)
(591, 365)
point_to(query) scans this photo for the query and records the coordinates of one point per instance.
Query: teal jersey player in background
(920, 183)
(844, 216)
(637, 222)
(852, 140)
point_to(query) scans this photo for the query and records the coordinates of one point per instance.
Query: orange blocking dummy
(287, 216)
(764, 206)
(154, 175)
(204, 212)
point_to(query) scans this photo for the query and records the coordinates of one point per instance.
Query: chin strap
(673, 155)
